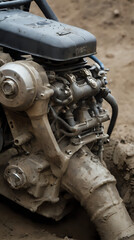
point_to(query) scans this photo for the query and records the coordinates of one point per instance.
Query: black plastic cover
(28, 33)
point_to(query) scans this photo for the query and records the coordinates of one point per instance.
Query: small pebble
(110, 55)
(116, 13)
(123, 35)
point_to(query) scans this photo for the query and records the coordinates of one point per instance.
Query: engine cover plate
(38, 36)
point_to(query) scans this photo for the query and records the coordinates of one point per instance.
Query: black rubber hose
(27, 7)
(14, 3)
(45, 8)
(111, 100)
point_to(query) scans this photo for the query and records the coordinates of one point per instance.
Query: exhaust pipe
(90, 182)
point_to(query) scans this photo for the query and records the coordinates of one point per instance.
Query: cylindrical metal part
(23, 172)
(45, 8)
(14, 3)
(93, 185)
(82, 126)
(85, 91)
(19, 84)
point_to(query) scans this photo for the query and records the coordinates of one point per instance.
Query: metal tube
(94, 58)
(14, 3)
(111, 100)
(85, 91)
(78, 128)
(45, 8)
(90, 182)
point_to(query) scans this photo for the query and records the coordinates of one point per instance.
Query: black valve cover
(38, 36)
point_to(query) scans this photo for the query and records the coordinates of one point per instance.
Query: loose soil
(112, 22)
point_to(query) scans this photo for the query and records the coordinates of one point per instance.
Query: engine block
(54, 136)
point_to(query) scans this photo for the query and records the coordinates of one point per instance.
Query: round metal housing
(19, 84)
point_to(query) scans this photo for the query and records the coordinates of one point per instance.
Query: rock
(123, 35)
(132, 21)
(109, 55)
(116, 13)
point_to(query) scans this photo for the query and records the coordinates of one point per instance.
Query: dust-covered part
(51, 126)
(54, 123)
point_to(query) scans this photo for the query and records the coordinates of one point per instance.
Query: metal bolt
(15, 177)
(69, 152)
(42, 95)
(9, 87)
(101, 73)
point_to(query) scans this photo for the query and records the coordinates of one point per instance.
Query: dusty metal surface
(44, 169)
(43, 37)
(93, 185)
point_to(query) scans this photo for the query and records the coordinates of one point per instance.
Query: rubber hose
(111, 100)
(45, 8)
(94, 58)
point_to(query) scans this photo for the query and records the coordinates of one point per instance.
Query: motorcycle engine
(46, 117)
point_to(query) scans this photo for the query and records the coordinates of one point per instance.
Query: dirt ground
(112, 22)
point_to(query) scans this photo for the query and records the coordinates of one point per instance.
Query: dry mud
(112, 22)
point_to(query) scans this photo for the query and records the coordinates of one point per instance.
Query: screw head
(15, 177)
